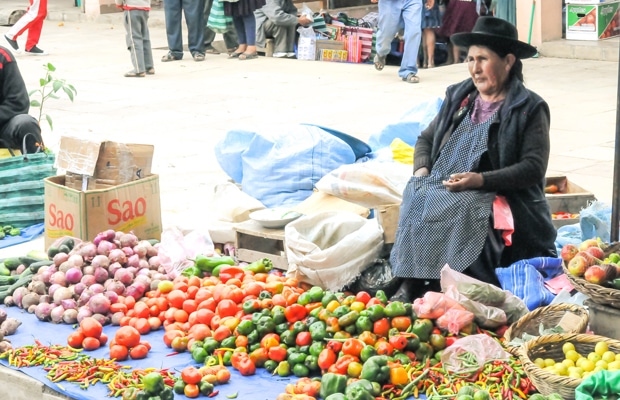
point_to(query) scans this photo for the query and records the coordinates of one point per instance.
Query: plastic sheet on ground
(260, 386)
(27, 235)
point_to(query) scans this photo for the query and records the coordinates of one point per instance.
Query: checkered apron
(437, 226)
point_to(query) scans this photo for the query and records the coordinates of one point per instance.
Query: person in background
(431, 20)
(483, 156)
(230, 36)
(505, 9)
(460, 16)
(136, 21)
(194, 17)
(278, 19)
(394, 15)
(16, 125)
(242, 12)
(32, 22)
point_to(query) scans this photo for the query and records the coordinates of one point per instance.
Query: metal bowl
(274, 218)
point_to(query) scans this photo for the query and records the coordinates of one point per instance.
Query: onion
(9, 301)
(18, 295)
(88, 251)
(113, 268)
(37, 287)
(88, 270)
(52, 289)
(60, 258)
(46, 298)
(100, 261)
(29, 300)
(83, 312)
(88, 280)
(78, 288)
(73, 275)
(133, 261)
(116, 318)
(115, 286)
(144, 279)
(117, 256)
(108, 235)
(128, 251)
(43, 311)
(64, 267)
(85, 297)
(123, 276)
(70, 316)
(56, 314)
(76, 260)
(105, 247)
(140, 250)
(101, 275)
(97, 288)
(58, 278)
(154, 262)
(99, 304)
(62, 293)
(128, 240)
(102, 319)
(21, 268)
(69, 304)
(31, 308)
(143, 264)
(135, 290)
(112, 296)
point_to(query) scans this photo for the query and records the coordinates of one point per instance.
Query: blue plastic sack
(568, 234)
(280, 165)
(595, 221)
(526, 279)
(409, 127)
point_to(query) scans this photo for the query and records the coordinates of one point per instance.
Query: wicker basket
(599, 294)
(549, 316)
(550, 346)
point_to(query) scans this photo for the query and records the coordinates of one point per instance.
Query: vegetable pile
(9, 230)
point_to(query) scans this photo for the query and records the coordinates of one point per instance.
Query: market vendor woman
(489, 140)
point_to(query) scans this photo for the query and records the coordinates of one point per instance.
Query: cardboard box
(327, 44)
(133, 206)
(333, 55)
(387, 216)
(104, 164)
(570, 198)
(592, 21)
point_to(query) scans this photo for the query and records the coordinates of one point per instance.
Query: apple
(588, 243)
(596, 252)
(568, 252)
(595, 274)
(578, 265)
(591, 260)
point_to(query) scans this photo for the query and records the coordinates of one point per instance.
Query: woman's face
(489, 71)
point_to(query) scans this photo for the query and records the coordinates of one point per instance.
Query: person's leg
(35, 27)
(172, 12)
(240, 29)
(24, 22)
(279, 34)
(146, 44)
(194, 18)
(230, 39)
(249, 21)
(412, 17)
(14, 132)
(133, 27)
(429, 44)
(388, 24)
(209, 35)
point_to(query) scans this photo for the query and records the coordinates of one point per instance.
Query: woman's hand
(421, 172)
(464, 181)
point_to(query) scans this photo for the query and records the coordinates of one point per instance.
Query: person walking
(230, 36)
(194, 18)
(32, 22)
(138, 39)
(393, 15)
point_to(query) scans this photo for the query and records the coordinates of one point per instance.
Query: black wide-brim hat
(494, 33)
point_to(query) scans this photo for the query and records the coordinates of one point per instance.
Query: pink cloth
(503, 220)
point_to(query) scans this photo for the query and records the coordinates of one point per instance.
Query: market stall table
(256, 387)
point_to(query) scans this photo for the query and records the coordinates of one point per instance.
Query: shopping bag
(306, 46)
(219, 22)
(21, 188)
(364, 36)
(353, 46)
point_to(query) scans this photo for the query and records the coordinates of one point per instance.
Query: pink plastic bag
(433, 305)
(454, 320)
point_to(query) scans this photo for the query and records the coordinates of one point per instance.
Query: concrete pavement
(187, 107)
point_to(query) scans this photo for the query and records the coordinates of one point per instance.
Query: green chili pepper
(207, 264)
(262, 265)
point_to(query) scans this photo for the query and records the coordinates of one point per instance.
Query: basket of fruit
(594, 270)
(571, 317)
(557, 363)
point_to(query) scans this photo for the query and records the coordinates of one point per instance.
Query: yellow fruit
(580, 361)
(587, 365)
(609, 356)
(549, 362)
(567, 346)
(618, 357)
(568, 363)
(601, 364)
(597, 369)
(575, 370)
(540, 363)
(574, 375)
(601, 348)
(561, 369)
(572, 355)
(594, 357)
(613, 366)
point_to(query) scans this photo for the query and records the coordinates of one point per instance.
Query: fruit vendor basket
(597, 293)
(550, 347)
(571, 317)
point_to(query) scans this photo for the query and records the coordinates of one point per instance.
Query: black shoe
(13, 43)
(36, 51)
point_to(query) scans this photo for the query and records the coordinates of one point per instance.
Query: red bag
(364, 35)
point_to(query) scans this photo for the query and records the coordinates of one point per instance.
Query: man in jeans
(194, 15)
(278, 19)
(394, 15)
(230, 36)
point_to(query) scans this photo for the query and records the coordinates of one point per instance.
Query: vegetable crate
(254, 242)
(568, 197)
(592, 21)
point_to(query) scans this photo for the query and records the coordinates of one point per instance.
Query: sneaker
(291, 55)
(36, 51)
(280, 54)
(13, 43)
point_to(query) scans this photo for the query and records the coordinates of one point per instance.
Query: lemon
(568, 363)
(540, 363)
(594, 357)
(601, 348)
(567, 346)
(580, 361)
(587, 365)
(574, 375)
(609, 356)
(597, 369)
(575, 370)
(601, 364)
(572, 355)
(561, 369)
(618, 357)
(549, 362)
(613, 366)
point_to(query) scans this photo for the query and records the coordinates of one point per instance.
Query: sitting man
(15, 122)
(278, 19)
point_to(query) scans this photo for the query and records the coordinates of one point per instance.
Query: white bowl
(274, 218)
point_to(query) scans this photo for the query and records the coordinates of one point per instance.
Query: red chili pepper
(214, 393)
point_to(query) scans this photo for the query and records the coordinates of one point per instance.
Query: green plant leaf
(35, 103)
(52, 96)
(72, 88)
(50, 67)
(68, 92)
(30, 93)
(42, 82)
(49, 121)
(57, 85)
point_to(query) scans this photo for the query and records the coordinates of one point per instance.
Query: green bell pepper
(363, 323)
(265, 325)
(332, 383)
(245, 327)
(262, 265)
(277, 314)
(359, 390)
(192, 271)
(207, 264)
(288, 338)
(316, 348)
(381, 296)
(375, 312)
(327, 298)
(167, 394)
(153, 383)
(253, 337)
(250, 306)
(130, 393)
(376, 369)
(316, 293)
(395, 309)
(336, 396)
(318, 330)
(299, 326)
(264, 295)
(367, 352)
(422, 328)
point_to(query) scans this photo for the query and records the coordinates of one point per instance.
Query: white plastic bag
(306, 46)
(330, 249)
(233, 205)
(370, 184)
(177, 250)
(485, 316)
(482, 346)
